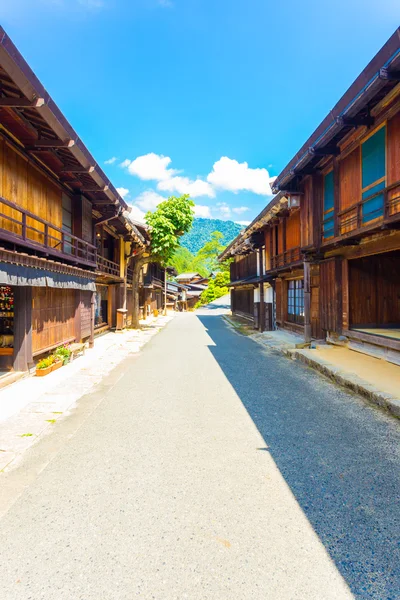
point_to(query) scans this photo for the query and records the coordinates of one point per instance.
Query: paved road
(206, 468)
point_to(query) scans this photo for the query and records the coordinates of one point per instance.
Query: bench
(77, 349)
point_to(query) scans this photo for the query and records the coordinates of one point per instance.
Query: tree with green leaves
(171, 219)
(209, 253)
(186, 262)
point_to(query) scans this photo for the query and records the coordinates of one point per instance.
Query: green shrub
(63, 352)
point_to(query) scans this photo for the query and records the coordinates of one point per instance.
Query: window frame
(295, 301)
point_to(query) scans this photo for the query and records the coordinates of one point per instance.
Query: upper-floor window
(328, 221)
(373, 175)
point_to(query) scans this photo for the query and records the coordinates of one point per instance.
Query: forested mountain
(202, 230)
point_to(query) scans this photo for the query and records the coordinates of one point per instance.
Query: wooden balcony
(107, 266)
(20, 227)
(286, 258)
(244, 268)
(381, 207)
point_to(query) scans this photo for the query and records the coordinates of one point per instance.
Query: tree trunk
(138, 263)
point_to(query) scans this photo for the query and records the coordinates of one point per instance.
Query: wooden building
(330, 251)
(63, 235)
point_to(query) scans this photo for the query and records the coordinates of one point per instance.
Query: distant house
(189, 278)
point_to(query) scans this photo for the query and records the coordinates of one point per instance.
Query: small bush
(46, 362)
(63, 352)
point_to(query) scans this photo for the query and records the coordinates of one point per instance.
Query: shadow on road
(339, 457)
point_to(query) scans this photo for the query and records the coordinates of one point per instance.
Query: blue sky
(211, 97)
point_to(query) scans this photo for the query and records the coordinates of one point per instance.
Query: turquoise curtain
(373, 169)
(329, 202)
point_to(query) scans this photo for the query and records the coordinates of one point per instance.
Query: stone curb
(350, 381)
(339, 376)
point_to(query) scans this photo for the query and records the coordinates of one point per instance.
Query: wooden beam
(12, 102)
(327, 151)
(386, 75)
(80, 169)
(49, 143)
(366, 121)
(95, 190)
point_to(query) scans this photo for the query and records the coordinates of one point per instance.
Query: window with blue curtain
(328, 222)
(373, 169)
(295, 300)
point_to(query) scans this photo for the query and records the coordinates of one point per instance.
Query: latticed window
(296, 301)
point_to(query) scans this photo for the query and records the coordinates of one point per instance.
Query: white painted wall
(268, 293)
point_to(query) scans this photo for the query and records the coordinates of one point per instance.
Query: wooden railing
(357, 217)
(22, 227)
(286, 258)
(107, 266)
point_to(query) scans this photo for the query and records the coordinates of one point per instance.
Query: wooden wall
(316, 331)
(293, 239)
(279, 316)
(350, 179)
(374, 290)
(84, 308)
(25, 185)
(306, 214)
(244, 301)
(53, 318)
(268, 247)
(330, 294)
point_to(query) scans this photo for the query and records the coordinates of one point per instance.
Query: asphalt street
(207, 468)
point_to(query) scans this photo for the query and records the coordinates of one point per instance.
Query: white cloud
(202, 211)
(245, 223)
(224, 210)
(184, 185)
(155, 167)
(148, 200)
(123, 191)
(229, 174)
(137, 214)
(150, 167)
(110, 161)
(239, 210)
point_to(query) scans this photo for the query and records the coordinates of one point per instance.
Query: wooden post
(77, 319)
(92, 315)
(165, 291)
(307, 301)
(22, 328)
(261, 324)
(336, 195)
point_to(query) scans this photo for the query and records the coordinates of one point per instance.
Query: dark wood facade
(64, 235)
(332, 234)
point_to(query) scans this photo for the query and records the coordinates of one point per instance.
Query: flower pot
(57, 365)
(43, 372)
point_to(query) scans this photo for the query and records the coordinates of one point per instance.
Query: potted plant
(63, 353)
(45, 366)
(57, 364)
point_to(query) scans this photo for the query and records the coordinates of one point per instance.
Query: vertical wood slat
(330, 295)
(22, 328)
(345, 294)
(53, 317)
